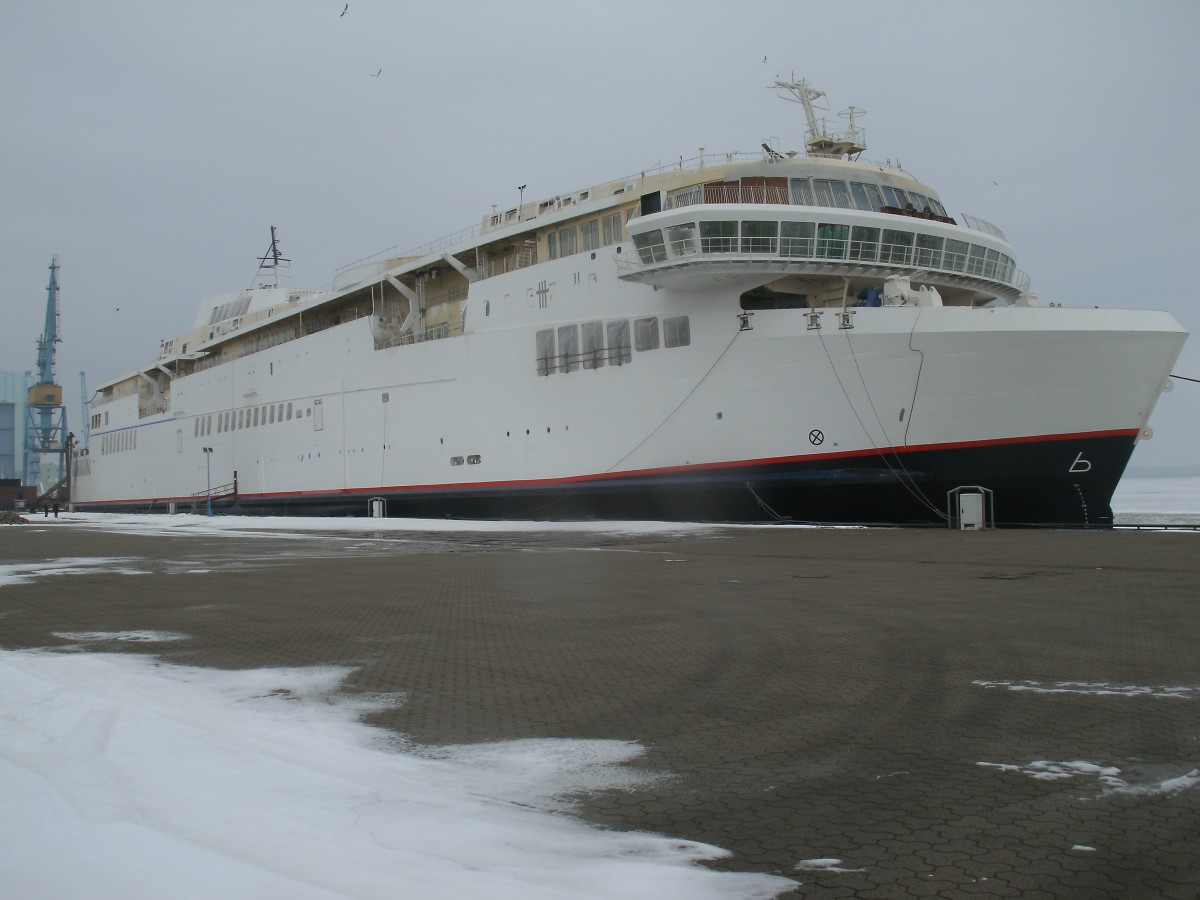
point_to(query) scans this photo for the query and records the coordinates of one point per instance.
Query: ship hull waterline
(1054, 481)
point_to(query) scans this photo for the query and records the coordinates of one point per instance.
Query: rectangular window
(593, 344)
(552, 245)
(858, 191)
(864, 243)
(990, 263)
(619, 350)
(893, 198)
(875, 196)
(568, 348)
(975, 260)
(760, 237)
(801, 192)
(956, 255)
(591, 234)
(650, 246)
(289, 412)
(796, 238)
(681, 239)
(718, 237)
(645, 333)
(831, 193)
(567, 242)
(613, 231)
(896, 247)
(929, 251)
(272, 414)
(677, 331)
(545, 351)
(832, 240)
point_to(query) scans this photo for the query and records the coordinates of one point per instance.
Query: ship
(773, 336)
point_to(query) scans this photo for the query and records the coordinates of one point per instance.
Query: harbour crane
(46, 429)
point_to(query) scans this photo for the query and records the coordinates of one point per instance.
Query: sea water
(1144, 497)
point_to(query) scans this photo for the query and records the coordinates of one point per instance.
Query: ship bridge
(696, 246)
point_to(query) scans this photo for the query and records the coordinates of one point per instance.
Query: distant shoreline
(1162, 472)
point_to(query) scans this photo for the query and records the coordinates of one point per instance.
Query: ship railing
(433, 333)
(434, 246)
(653, 251)
(618, 355)
(220, 490)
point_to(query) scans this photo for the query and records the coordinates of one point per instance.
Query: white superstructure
(772, 335)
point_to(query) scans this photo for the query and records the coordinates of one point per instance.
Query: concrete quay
(928, 707)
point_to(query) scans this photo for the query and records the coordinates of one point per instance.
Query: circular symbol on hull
(816, 437)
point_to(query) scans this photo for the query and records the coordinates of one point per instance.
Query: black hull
(1059, 482)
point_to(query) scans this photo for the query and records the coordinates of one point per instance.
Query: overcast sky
(152, 143)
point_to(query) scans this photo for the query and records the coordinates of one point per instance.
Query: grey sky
(153, 144)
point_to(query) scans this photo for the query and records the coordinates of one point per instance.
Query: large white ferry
(777, 335)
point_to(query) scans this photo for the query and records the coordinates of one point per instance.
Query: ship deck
(876, 696)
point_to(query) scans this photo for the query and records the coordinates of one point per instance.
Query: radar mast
(818, 140)
(273, 260)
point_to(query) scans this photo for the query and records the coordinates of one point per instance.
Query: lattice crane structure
(46, 429)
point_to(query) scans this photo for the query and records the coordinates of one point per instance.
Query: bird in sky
(377, 74)
(343, 12)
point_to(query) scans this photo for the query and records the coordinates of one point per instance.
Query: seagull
(377, 74)
(343, 12)
(764, 59)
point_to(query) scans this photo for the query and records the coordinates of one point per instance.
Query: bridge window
(796, 238)
(831, 193)
(956, 255)
(760, 237)
(929, 251)
(802, 192)
(864, 243)
(975, 260)
(832, 240)
(681, 239)
(650, 246)
(897, 247)
(718, 237)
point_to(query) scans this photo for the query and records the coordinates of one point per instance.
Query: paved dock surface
(941, 712)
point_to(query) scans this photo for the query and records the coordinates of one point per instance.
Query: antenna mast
(274, 257)
(818, 140)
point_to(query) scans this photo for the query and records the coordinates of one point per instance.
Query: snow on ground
(123, 777)
(1097, 688)
(1108, 777)
(281, 526)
